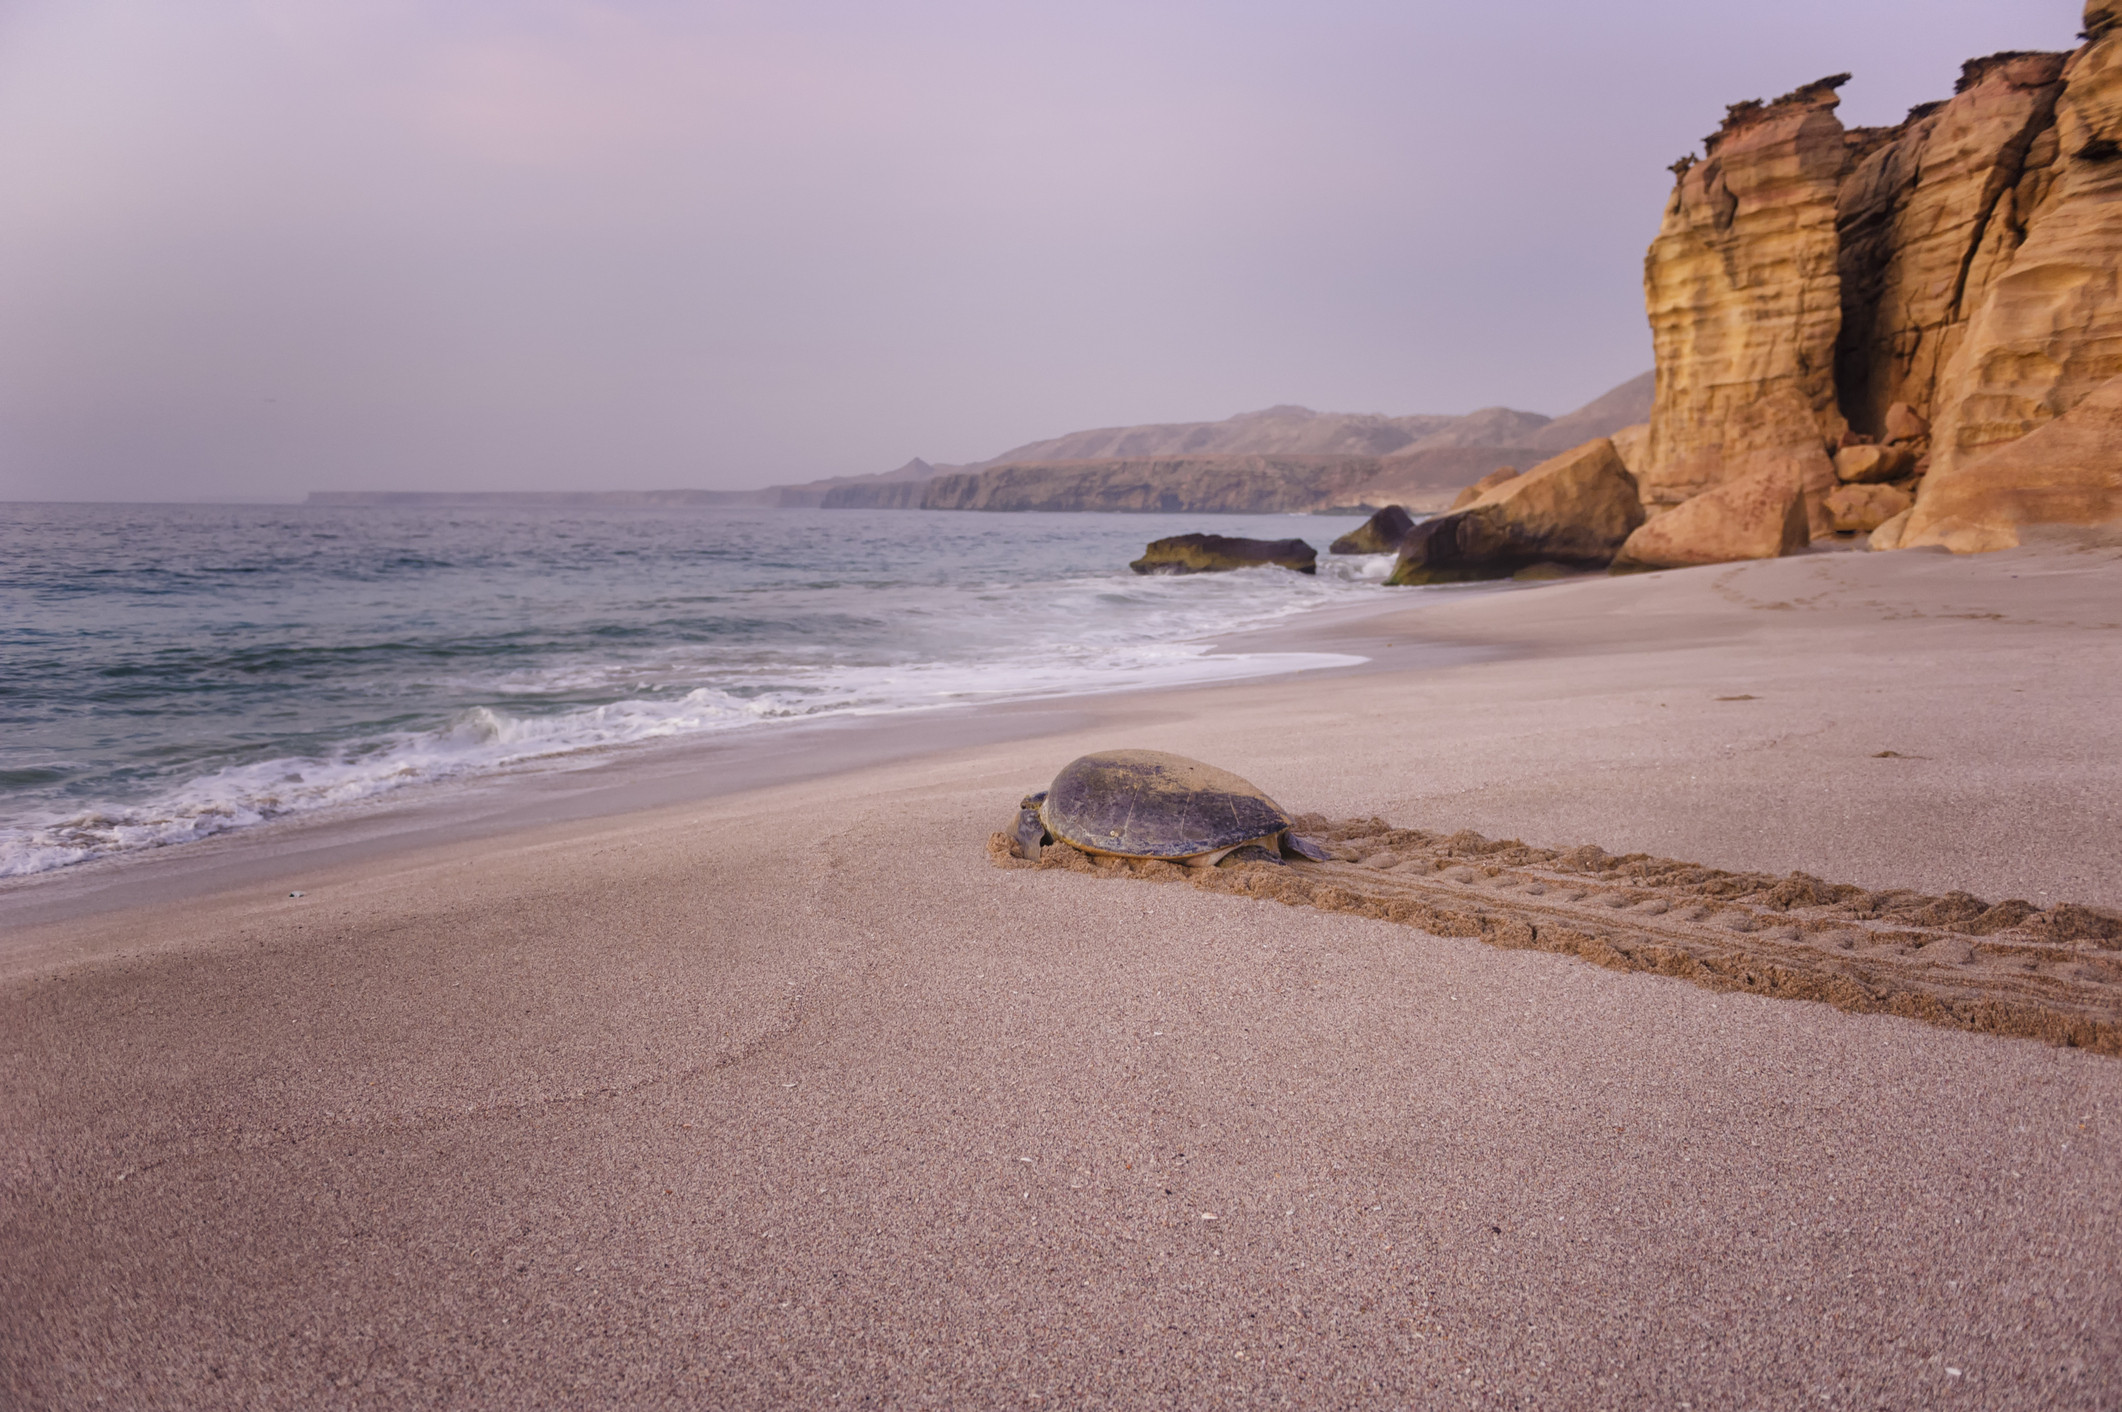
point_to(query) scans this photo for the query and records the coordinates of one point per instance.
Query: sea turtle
(1148, 804)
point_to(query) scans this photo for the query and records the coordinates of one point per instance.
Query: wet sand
(788, 1094)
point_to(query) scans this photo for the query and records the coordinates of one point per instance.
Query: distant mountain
(1279, 458)
(1282, 458)
(1491, 426)
(1277, 431)
(539, 499)
(1604, 415)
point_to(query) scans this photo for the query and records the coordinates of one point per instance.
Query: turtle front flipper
(1295, 847)
(1029, 835)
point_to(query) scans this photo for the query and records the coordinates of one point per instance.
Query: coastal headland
(749, 1092)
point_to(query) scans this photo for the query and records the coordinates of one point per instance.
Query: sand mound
(2006, 968)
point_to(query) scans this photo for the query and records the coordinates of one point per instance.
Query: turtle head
(1029, 833)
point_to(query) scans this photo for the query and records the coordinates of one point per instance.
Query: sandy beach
(741, 1075)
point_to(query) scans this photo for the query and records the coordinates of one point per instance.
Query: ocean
(172, 672)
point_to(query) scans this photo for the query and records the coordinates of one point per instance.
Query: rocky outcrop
(1745, 302)
(1572, 510)
(1501, 475)
(1867, 465)
(1926, 219)
(1758, 516)
(1380, 534)
(1909, 299)
(1632, 445)
(2049, 332)
(1860, 509)
(1215, 553)
(1888, 535)
(2069, 471)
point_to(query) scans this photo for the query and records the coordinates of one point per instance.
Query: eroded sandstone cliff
(1949, 285)
(1745, 301)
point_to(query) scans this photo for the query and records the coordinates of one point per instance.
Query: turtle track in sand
(2006, 968)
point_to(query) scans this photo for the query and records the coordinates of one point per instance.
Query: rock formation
(1380, 534)
(1744, 301)
(1215, 553)
(1869, 464)
(1572, 510)
(1860, 509)
(1906, 300)
(1758, 516)
(2068, 471)
(1499, 476)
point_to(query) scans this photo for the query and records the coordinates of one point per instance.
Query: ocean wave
(250, 665)
(487, 738)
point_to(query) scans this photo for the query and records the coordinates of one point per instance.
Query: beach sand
(698, 1089)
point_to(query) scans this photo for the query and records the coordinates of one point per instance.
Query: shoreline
(1447, 629)
(600, 782)
(773, 1094)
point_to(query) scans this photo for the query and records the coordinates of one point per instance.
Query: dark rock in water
(1574, 510)
(1380, 534)
(1214, 553)
(1449, 549)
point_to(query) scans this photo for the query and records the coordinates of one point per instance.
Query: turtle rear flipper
(1029, 835)
(1295, 847)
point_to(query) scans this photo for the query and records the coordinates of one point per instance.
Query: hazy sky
(256, 247)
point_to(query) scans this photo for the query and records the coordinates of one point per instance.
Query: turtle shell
(1148, 804)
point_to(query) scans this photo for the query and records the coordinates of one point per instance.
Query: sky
(253, 248)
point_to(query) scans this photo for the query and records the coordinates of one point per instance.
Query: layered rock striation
(1745, 302)
(1939, 289)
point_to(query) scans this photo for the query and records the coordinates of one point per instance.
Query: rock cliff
(1947, 285)
(1745, 302)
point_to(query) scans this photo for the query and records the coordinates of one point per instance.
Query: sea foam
(486, 656)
